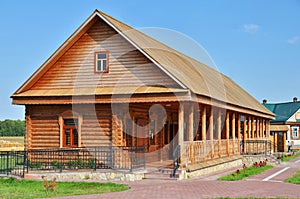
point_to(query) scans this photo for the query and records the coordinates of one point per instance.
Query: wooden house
(284, 128)
(111, 85)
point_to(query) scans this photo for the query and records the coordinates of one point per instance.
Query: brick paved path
(208, 187)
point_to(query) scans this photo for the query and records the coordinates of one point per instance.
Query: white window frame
(99, 62)
(295, 132)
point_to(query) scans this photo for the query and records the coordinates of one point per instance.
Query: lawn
(295, 179)
(244, 173)
(14, 188)
(286, 158)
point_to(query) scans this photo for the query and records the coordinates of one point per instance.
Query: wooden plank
(128, 66)
(211, 132)
(233, 132)
(227, 133)
(181, 127)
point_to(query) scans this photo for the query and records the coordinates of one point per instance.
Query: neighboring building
(111, 85)
(285, 127)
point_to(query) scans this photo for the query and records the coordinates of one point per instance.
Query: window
(70, 133)
(101, 62)
(295, 130)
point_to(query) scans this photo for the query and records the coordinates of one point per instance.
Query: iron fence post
(95, 159)
(7, 163)
(24, 163)
(60, 161)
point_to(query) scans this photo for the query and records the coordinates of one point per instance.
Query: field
(11, 143)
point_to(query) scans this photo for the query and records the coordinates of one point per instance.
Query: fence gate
(12, 163)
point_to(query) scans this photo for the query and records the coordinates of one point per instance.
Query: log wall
(43, 128)
(127, 66)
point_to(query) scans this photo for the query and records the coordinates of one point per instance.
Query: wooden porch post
(203, 123)
(244, 132)
(191, 131)
(191, 123)
(275, 141)
(257, 128)
(181, 128)
(249, 128)
(268, 129)
(233, 132)
(211, 132)
(219, 132)
(253, 127)
(239, 131)
(227, 133)
(261, 128)
(264, 128)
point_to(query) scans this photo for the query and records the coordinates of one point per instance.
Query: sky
(255, 43)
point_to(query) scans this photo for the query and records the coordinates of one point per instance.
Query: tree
(12, 128)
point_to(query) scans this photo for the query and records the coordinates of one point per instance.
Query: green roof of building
(283, 111)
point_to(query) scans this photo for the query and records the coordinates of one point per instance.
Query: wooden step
(161, 174)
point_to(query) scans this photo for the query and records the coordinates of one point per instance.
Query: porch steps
(273, 159)
(160, 174)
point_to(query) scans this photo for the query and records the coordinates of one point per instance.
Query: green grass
(13, 188)
(286, 158)
(295, 179)
(244, 173)
(247, 198)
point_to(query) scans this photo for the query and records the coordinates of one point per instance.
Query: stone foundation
(250, 159)
(213, 168)
(92, 176)
(221, 164)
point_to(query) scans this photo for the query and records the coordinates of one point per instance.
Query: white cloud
(250, 28)
(293, 40)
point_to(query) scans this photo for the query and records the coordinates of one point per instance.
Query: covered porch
(192, 132)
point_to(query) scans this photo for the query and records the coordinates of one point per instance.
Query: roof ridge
(160, 42)
(280, 103)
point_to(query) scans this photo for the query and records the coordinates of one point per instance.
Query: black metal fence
(258, 147)
(12, 163)
(121, 158)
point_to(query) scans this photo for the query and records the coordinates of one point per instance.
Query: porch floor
(166, 164)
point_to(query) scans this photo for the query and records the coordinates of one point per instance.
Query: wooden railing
(254, 146)
(200, 151)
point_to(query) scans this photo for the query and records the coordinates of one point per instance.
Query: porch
(200, 132)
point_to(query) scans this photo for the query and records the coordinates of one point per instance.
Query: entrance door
(142, 133)
(280, 142)
(173, 138)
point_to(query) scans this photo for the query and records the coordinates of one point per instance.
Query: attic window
(101, 61)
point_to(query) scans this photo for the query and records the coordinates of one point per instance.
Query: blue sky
(256, 43)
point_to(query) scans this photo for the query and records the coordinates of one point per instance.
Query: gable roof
(189, 73)
(283, 111)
